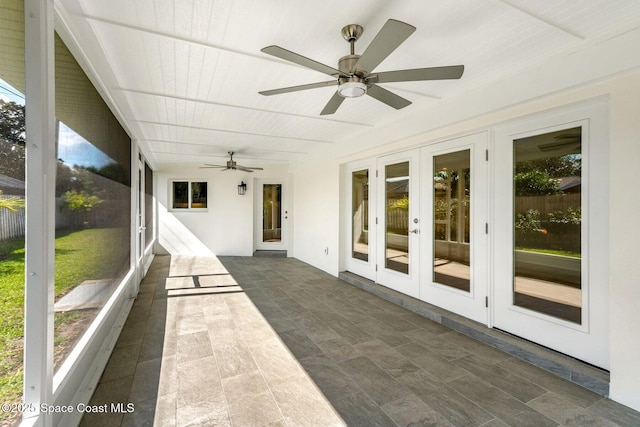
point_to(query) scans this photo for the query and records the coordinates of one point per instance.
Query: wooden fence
(547, 204)
(12, 223)
(397, 220)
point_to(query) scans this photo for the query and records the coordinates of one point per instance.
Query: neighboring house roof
(11, 186)
(569, 182)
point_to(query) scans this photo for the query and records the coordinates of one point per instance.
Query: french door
(454, 241)
(419, 227)
(398, 222)
(551, 247)
(272, 218)
(514, 236)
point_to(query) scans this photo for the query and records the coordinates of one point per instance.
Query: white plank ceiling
(185, 74)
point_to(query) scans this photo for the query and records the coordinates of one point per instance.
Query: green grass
(79, 256)
(11, 321)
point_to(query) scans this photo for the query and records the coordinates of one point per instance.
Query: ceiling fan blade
(287, 55)
(332, 105)
(392, 34)
(248, 168)
(297, 88)
(243, 169)
(389, 98)
(206, 166)
(433, 73)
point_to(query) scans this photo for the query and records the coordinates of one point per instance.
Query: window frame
(190, 182)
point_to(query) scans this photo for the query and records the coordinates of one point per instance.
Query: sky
(72, 148)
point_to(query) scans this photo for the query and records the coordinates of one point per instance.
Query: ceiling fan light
(352, 89)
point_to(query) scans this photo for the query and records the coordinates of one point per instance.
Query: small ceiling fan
(231, 165)
(354, 75)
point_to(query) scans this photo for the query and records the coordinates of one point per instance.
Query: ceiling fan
(354, 75)
(231, 165)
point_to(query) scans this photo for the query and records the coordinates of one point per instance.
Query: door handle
(414, 231)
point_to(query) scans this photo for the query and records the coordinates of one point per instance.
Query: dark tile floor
(275, 342)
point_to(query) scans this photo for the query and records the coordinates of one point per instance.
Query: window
(190, 195)
(93, 204)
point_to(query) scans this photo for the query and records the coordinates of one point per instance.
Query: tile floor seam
(397, 400)
(224, 394)
(270, 391)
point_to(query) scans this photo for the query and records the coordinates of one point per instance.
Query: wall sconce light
(242, 188)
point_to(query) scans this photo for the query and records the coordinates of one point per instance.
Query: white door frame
(140, 243)
(406, 283)
(588, 341)
(259, 192)
(358, 266)
(470, 304)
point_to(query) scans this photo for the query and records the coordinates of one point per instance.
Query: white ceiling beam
(261, 110)
(180, 38)
(218, 156)
(293, 138)
(224, 147)
(506, 4)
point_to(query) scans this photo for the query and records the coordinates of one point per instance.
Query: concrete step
(270, 254)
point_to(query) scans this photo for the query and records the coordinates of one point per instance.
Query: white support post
(40, 220)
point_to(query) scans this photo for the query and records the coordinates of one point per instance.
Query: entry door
(453, 233)
(551, 245)
(398, 222)
(271, 223)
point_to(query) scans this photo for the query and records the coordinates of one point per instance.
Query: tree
(555, 167)
(82, 203)
(536, 183)
(12, 123)
(12, 140)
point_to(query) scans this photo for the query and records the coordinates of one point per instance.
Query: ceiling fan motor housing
(355, 85)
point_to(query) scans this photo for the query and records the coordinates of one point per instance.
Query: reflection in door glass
(547, 223)
(360, 215)
(397, 217)
(271, 212)
(451, 212)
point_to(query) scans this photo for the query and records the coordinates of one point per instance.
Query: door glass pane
(397, 217)
(547, 224)
(451, 211)
(360, 215)
(148, 204)
(271, 212)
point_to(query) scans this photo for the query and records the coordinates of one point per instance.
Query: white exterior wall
(624, 232)
(227, 225)
(316, 217)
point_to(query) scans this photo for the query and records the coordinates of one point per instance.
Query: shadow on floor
(260, 341)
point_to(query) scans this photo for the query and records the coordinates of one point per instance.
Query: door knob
(414, 231)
